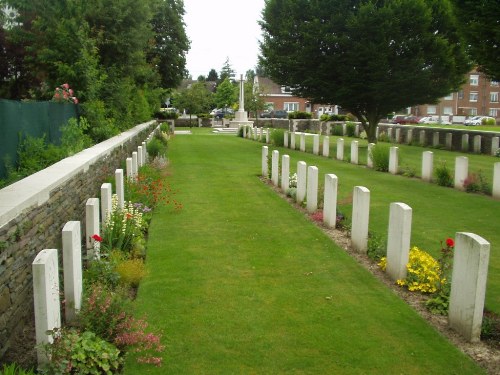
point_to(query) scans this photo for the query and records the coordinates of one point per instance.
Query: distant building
(477, 97)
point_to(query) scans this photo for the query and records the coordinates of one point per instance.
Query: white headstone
(427, 165)
(292, 141)
(285, 173)
(369, 155)
(255, 134)
(106, 200)
(435, 138)
(326, 146)
(360, 218)
(340, 149)
(130, 170)
(394, 160)
(398, 135)
(46, 299)
(398, 241)
(356, 130)
(268, 133)
(409, 136)
(261, 136)
(120, 189)
(354, 152)
(72, 267)
(468, 287)
(449, 141)
(477, 144)
(302, 142)
(465, 142)
(265, 155)
(285, 139)
(144, 152)
(389, 134)
(312, 189)
(140, 154)
(344, 129)
(330, 200)
(496, 181)
(495, 145)
(316, 144)
(422, 138)
(244, 131)
(461, 171)
(274, 167)
(92, 226)
(301, 181)
(135, 167)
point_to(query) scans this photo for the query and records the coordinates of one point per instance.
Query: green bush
(443, 175)
(240, 132)
(489, 122)
(101, 126)
(156, 147)
(337, 130)
(13, 369)
(74, 139)
(165, 127)
(324, 117)
(350, 129)
(298, 115)
(278, 137)
(380, 157)
(35, 154)
(376, 247)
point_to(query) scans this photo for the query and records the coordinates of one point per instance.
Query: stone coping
(35, 189)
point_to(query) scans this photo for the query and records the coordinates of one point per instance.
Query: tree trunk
(371, 132)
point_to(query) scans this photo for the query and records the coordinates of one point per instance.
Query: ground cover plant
(244, 283)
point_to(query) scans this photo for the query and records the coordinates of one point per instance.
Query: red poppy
(450, 242)
(97, 238)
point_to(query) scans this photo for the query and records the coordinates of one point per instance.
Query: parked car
(220, 113)
(396, 119)
(433, 120)
(408, 120)
(274, 114)
(477, 120)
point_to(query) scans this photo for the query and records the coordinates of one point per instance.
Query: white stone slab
(369, 155)
(326, 147)
(360, 218)
(477, 144)
(394, 160)
(356, 130)
(330, 201)
(135, 167)
(435, 139)
(292, 141)
(354, 152)
(422, 138)
(301, 181)
(120, 188)
(409, 136)
(461, 171)
(340, 149)
(465, 142)
(268, 133)
(265, 155)
(275, 167)
(72, 267)
(312, 189)
(144, 153)
(398, 241)
(468, 288)
(427, 165)
(140, 155)
(495, 145)
(316, 144)
(389, 134)
(449, 141)
(92, 226)
(398, 135)
(46, 299)
(285, 173)
(302, 142)
(285, 139)
(496, 181)
(106, 200)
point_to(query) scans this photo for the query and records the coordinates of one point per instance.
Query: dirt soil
(485, 353)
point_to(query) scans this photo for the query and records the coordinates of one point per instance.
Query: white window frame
(494, 112)
(494, 83)
(473, 96)
(493, 97)
(472, 111)
(291, 106)
(474, 79)
(431, 110)
(447, 110)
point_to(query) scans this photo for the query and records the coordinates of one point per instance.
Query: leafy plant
(350, 129)
(376, 247)
(439, 302)
(101, 271)
(423, 272)
(337, 130)
(131, 271)
(277, 137)
(477, 183)
(380, 156)
(73, 352)
(73, 137)
(443, 175)
(14, 369)
(300, 115)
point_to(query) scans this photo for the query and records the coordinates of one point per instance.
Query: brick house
(477, 97)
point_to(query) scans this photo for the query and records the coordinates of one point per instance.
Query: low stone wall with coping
(33, 212)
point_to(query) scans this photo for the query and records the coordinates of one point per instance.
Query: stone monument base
(237, 124)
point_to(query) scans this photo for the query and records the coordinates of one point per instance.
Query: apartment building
(477, 97)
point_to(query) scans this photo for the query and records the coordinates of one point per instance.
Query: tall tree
(480, 25)
(194, 99)
(370, 57)
(227, 71)
(226, 94)
(212, 75)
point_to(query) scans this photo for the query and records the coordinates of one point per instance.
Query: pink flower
(65, 86)
(75, 100)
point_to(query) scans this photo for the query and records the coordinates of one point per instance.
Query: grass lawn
(242, 283)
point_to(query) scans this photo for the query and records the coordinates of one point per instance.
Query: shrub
(350, 129)
(165, 127)
(73, 138)
(476, 183)
(13, 369)
(156, 148)
(443, 175)
(324, 117)
(488, 121)
(73, 352)
(101, 271)
(440, 301)
(376, 247)
(337, 130)
(380, 156)
(240, 132)
(298, 115)
(423, 272)
(131, 271)
(35, 154)
(278, 137)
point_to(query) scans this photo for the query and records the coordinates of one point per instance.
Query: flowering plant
(293, 180)
(64, 93)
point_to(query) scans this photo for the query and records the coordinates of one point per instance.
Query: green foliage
(131, 271)
(226, 94)
(297, 115)
(101, 126)
(166, 115)
(101, 271)
(439, 302)
(13, 369)
(376, 247)
(350, 129)
(195, 99)
(278, 137)
(380, 157)
(35, 154)
(488, 122)
(477, 183)
(73, 352)
(74, 139)
(156, 148)
(337, 130)
(443, 175)
(240, 132)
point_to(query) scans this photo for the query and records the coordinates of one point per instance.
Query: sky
(220, 29)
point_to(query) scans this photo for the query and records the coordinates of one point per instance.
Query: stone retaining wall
(33, 212)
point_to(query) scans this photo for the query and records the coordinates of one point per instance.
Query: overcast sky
(220, 29)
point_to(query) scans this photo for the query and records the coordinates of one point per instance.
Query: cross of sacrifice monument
(241, 118)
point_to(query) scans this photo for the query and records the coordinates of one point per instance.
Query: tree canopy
(480, 25)
(370, 57)
(226, 94)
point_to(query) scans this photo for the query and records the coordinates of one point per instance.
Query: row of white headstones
(471, 253)
(46, 264)
(461, 162)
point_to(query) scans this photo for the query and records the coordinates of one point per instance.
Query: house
(477, 97)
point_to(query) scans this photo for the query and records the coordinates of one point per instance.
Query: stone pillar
(120, 191)
(130, 171)
(496, 181)
(46, 299)
(316, 144)
(244, 131)
(72, 267)
(340, 149)
(326, 146)
(312, 189)
(389, 134)
(461, 171)
(106, 200)
(356, 130)
(465, 142)
(354, 152)
(377, 133)
(144, 152)
(422, 137)
(265, 155)
(255, 135)
(398, 242)
(140, 154)
(398, 135)
(274, 168)
(393, 160)
(360, 218)
(301, 181)
(302, 142)
(477, 144)
(135, 169)
(435, 138)
(285, 139)
(494, 145)
(330, 200)
(344, 129)
(92, 226)
(285, 173)
(409, 136)
(292, 141)
(261, 132)
(468, 288)
(427, 165)
(369, 155)
(449, 141)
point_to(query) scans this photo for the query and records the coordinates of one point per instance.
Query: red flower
(450, 242)
(97, 238)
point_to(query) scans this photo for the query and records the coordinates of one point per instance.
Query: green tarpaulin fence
(30, 118)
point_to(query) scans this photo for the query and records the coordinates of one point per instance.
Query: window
(473, 96)
(494, 112)
(448, 111)
(473, 112)
(291, 107)
(474, 79)
(286, 90)
(431, 110)
(461, 94)
(494, 97)
(494, 83)
(448, 97)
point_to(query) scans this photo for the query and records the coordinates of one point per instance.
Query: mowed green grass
(240, 282)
